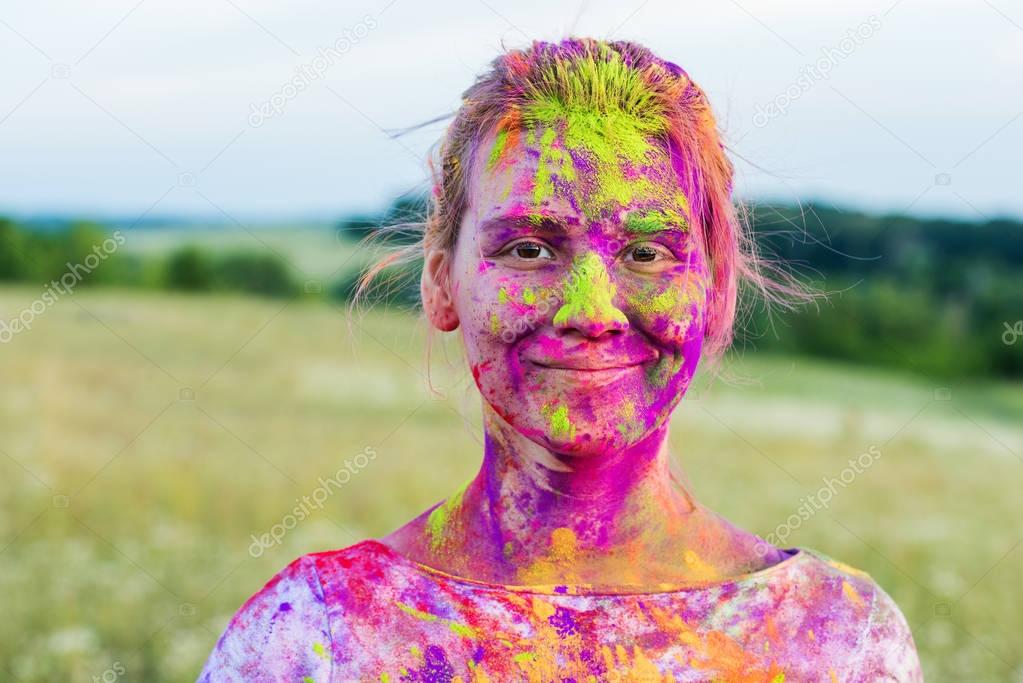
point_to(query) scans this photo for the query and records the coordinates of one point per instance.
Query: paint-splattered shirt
(366, 613)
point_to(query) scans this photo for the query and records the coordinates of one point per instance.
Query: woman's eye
(645, 253)
(531, 251)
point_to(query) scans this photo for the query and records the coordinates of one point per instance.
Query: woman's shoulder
(818, 566)
(821, 578)
(365, 559)
(835, 590)
(282, 632)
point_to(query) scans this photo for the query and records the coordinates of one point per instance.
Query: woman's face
(579, 285)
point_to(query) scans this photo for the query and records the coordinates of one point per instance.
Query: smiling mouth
(587, 368)
(588, 363)
(588, 373)
(588, 376)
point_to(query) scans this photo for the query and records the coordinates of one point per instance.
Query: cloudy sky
(181, 107)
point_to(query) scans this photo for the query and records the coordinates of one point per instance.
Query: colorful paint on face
(582, 308)
(628, 425)
(650, 222)
(588, 293)
(585, 324)
(561, 426)
(594, 140)
(612, 147)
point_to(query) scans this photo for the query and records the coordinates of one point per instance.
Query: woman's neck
(533, 516)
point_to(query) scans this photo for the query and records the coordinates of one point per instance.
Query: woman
(582, 237)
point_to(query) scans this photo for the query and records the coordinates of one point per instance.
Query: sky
(158, 108)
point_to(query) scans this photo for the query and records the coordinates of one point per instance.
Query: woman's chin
(574, 428)
(589, 442)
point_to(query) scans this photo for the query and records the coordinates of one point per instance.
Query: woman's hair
(605, 76)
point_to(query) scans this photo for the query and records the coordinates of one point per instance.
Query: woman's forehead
(544, 171)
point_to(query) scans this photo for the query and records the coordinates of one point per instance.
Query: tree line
(937, 296)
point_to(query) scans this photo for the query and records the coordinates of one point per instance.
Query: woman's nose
(587, 300)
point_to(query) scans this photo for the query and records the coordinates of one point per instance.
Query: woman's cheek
(670, 311)
(502, 309)
(516, 305)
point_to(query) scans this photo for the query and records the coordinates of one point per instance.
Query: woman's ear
(435, 289)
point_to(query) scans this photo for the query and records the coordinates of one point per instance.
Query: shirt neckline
(795, 555)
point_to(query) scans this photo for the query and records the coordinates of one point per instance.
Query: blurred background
(184, 191)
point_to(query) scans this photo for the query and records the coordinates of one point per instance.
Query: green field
(145, 437)
(311, 250)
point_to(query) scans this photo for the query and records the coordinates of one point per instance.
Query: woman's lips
(585, 365)
(584, 374)
(587, 361)
(590, 358)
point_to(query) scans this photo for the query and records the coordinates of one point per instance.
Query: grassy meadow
(145, 437)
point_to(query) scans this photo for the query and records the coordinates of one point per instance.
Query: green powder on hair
(605, 111)
(498, 150)
(601, 81)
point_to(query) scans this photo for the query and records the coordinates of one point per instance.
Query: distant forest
(939, 297)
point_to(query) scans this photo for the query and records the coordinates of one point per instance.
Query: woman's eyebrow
(533, 221)
(651, 222)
